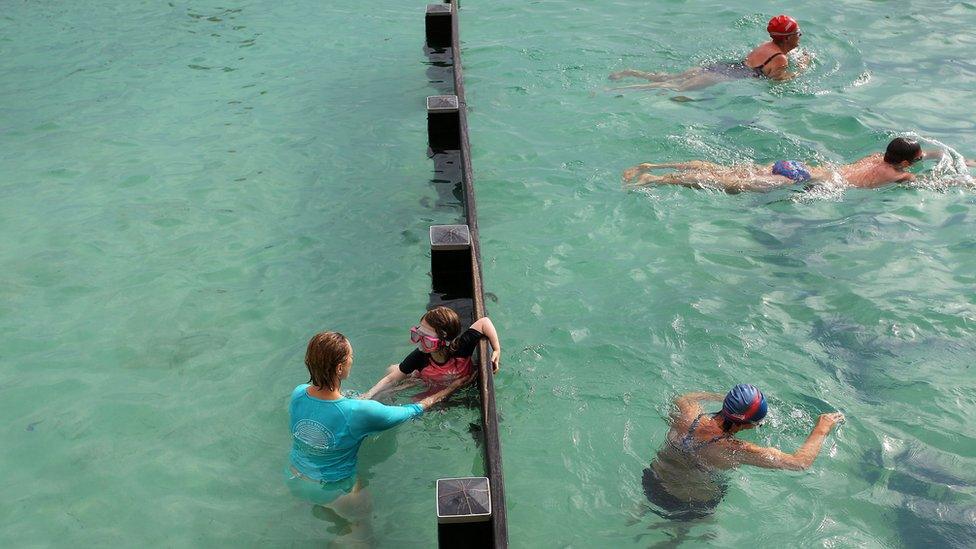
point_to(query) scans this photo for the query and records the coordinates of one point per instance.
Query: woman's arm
(485, 326)
(393, 376)
(688, 403)
(372, 417)
(773, 458)
(440, 395)
(779, 68)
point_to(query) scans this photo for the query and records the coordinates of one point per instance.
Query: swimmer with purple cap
(684, 479)
(869, 172)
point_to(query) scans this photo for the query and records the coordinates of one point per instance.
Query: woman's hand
(828, 421)
(496, 355)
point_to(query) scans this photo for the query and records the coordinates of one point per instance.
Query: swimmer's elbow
(795, 463)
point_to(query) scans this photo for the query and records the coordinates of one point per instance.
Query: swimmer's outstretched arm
(937, 154)
(774, 458)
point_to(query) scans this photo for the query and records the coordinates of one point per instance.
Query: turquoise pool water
(859, 301)
(191, 189)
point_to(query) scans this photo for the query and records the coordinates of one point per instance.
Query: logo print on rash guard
(315, 437)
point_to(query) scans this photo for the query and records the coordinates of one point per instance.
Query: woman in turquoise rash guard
(327, 429)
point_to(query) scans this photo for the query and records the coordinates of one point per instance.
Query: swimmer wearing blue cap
(684, 478)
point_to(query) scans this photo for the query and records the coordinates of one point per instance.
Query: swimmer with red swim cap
(768, 60)
(684, 480)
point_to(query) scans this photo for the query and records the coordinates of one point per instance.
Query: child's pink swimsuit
(436, 375)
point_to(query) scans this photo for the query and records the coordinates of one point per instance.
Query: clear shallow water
(613, 302)
(191, 191)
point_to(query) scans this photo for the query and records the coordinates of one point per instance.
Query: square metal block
(442, 103)
(439, 9)
(465, 499)
(450, 237)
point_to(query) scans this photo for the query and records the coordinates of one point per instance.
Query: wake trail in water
(949, 171)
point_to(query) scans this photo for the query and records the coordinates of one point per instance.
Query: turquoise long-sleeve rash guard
(326, 434)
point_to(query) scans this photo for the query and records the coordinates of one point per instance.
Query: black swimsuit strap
(688, 441)
(714, 439)
(771, 57)
(694, 425)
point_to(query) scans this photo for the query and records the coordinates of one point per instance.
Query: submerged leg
(687, 165)
(691, 79)
(651, 86)
(691, 165)
(697, 82)
(357, 508)
(630, 173)
(651, 76)
(685, 179)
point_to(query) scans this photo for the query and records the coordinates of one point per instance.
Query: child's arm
(393, 376)
(440, 395)
(396, 373)
(485, 326)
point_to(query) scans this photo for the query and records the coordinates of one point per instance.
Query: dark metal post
(443, 122)
(438, 25)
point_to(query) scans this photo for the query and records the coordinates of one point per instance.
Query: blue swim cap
(744, 404)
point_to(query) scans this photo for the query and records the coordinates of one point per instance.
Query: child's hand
(496, 355)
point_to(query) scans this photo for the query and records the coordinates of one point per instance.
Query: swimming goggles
(427, 343)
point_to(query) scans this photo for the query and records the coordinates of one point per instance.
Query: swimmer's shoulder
(768, 55)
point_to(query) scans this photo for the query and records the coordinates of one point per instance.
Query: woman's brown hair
(447, 325)
(326, 352)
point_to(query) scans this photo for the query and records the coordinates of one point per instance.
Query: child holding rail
(443, 353)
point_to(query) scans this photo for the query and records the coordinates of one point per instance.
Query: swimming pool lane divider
(456, 272)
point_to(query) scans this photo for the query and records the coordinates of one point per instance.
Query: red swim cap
(782, 25)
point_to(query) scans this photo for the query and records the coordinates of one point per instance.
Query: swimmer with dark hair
(685, 480)
(769, 59)
(869, 172)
